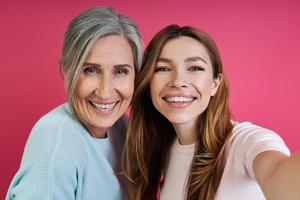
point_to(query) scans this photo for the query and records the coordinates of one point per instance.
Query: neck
(186, 133)
(97, 133)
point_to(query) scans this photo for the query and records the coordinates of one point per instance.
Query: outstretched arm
(278, 175)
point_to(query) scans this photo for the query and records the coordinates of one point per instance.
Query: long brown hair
(151, 134)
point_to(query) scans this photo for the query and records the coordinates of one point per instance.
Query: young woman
(182, 141)
(73, 151)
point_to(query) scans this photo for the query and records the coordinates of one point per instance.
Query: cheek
(155, 90)
(156, 86)
(204, 85)
(84, 87)
(126, 87)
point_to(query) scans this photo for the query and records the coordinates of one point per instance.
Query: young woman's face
(105, 85)
(183, 83)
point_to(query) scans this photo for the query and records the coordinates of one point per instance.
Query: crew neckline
(189, 148)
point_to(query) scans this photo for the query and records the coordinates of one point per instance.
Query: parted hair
(84, 30)
(150, 134)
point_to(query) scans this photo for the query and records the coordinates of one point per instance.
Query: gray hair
(84, 30)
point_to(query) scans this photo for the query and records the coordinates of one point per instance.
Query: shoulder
(246, 131)
(249, 140)
(55, 118)
(52, 156)
(250, 135)
(60, 122)
(55, 132)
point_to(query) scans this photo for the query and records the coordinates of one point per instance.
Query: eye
(196, 68)
(162, 69)
(90, 70)
(121, 71)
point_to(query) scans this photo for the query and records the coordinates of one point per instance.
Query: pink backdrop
(259, 43)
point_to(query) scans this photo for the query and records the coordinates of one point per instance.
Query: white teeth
(104, 107)
(179, 99)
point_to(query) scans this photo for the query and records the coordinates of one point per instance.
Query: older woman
(73, 151)
(181, 129)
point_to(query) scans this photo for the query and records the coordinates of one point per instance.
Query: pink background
(259, 42)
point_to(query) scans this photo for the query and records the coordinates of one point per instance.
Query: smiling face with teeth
(183, 82)
(105, 84)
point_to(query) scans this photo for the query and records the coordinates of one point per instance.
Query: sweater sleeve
(48, 169)
(253, 140)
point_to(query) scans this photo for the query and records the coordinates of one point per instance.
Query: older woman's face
(105, 85)
(183, 83)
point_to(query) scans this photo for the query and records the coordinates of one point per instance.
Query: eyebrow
(164, 60)
(91, 64)
(195, 58)
(189, 59)
(124, 65)
(115, 66)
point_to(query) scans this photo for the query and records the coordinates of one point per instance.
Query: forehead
(114, 47)
(184, 47)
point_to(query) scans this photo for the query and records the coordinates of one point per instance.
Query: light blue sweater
(62, 161)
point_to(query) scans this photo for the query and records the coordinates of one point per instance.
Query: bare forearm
(285, 181)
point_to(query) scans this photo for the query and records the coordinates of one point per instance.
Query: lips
(179, 101)
(105, 107)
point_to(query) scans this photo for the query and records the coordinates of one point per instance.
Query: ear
(215, 85)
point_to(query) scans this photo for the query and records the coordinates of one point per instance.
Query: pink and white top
(238, 180)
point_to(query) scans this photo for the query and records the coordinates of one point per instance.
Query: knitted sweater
(63, 161)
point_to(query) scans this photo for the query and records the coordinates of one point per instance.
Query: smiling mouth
(179, 99)
(104, 107)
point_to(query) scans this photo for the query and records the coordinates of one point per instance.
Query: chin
(108, 122)
(179, 120)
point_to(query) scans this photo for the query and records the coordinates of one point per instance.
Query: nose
(179, 79)
(104, 89)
